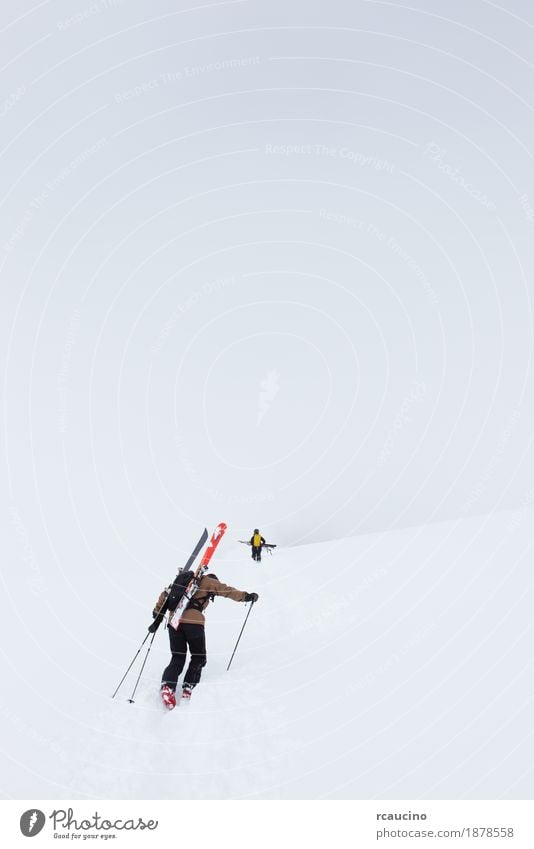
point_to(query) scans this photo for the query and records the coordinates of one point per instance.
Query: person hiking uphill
(190, 634)
(256, 542)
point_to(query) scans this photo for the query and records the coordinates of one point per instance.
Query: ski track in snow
(212, 747)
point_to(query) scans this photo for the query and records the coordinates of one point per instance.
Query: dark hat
(211, 575)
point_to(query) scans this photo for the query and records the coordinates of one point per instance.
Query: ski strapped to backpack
(193, 584)
(170, 597)
(264, 545)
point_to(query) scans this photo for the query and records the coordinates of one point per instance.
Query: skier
(190, 634)
(256, 542)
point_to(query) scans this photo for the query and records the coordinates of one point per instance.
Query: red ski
(216, 537)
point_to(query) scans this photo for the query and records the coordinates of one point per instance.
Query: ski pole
(242, 629)
(130, 666)
(131, 699)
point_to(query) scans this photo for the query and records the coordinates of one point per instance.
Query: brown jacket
(207, 586)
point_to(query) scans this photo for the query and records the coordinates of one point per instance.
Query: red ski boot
(186, 693)
(169, 699)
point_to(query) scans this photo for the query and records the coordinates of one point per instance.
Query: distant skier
(257, 542)
(190, 634)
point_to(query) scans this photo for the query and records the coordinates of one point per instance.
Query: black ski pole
(242, 629)
(131, 699)
(130, 666)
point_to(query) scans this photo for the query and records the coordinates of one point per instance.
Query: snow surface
(391, 665)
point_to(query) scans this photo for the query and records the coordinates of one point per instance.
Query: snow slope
(391, 665)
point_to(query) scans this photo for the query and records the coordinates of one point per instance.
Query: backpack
(178, 588)
(170, 597)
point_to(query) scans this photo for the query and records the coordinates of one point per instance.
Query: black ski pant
(186, 636)
(256, 552)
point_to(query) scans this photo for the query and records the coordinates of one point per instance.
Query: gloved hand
(251, 597)
(156, 623)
